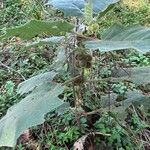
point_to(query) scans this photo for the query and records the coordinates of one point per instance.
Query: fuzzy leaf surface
(131, 97)
(29, 112)
(119, 37)
(137, 75)
(76, 7)
(36, 27)
(35, 81)
(47, 41)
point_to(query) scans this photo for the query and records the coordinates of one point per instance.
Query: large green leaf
(76, 7)
(136, 98)
(131, 97)
(35, 81)
(36, 27)
(29, 112)
(137, 75)
(118, 38)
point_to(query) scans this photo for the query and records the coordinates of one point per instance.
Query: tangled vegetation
(74, 75)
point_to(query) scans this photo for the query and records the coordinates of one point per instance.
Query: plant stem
(9, 68)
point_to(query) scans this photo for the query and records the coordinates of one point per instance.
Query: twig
(71, 80)
(99, 80)
(9, 68)
(103, 79)
(91, 113)
(104, 134)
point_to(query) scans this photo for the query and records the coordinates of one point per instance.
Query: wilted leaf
(36, 27)
(118, 38)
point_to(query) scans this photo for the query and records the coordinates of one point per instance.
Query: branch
(71, 80)
(9, 68)
(91, 113)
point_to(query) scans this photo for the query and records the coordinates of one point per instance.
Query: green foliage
(17, 12)
(9, 86)
(120, 89)
(138, 59)
(11, 8)
(8, 97)
(119, 138)
(35, 81)
(88, 12)
(47, 41)
(118, 104)
(38, 27)
(118, 38)
(40, 93)
(75, 7)
(64, 129)
(29, 112)
(137, 75)
(44, 95)
(122, 14)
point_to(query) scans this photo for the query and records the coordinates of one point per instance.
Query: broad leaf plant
(41, 92)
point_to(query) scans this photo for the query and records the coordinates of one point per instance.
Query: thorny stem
(77, 89)
(73, 62)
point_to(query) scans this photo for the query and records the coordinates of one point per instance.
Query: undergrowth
(60, 132)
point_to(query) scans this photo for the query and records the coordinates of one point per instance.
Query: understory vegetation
(74, 75)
